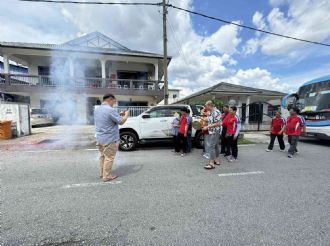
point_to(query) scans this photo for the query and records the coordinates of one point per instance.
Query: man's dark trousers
(293, 141)
(224, 144)
(183, 143)
(280, 141)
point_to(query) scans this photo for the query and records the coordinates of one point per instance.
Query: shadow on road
(127, 170)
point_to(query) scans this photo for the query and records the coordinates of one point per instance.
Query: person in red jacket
(276, 131)
(183, 131)
(295, 125)
(233, 130)
(224, 117)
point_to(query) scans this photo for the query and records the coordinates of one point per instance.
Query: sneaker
(182, 155)
(290, 156)
(228, 157)
(297, 152)
(232, 159)
(282, 150)
(268, 150)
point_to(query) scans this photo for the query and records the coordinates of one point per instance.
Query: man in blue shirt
(107, 120)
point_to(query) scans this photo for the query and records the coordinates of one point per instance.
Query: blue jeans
(214, 145)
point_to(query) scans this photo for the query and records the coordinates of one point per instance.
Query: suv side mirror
(146, 116)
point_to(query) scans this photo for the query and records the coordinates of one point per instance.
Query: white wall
(171, 100)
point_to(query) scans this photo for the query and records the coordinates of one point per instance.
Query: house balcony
(12, 83)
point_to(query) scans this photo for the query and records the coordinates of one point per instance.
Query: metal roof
(86, 43)
(235, 89)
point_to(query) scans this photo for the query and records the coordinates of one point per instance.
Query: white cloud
(305, 19)
(224, 40)
(202, 61)
(259, 78)
(258, 21)
(251, 46)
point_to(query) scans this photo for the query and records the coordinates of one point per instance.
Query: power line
(79, 2)
(247, 27)
(188, 11)
(180, 45)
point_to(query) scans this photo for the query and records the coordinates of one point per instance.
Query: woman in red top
(276, 131)
(224, 117)
(295, 125)
(183, 130)
(233, 130)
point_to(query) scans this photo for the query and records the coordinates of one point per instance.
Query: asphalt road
(56, 198)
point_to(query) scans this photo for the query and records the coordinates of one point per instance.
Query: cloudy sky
(204, 52)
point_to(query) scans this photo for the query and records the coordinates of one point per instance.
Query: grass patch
(245, 141)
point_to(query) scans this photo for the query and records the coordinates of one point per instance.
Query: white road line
(240, 174)
(91, 184)
(54, 150)
(41, 151)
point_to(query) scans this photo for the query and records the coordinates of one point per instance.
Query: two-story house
(72, 77)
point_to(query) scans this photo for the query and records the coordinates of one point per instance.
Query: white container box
(19, 114)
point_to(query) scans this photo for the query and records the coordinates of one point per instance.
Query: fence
(133, 110)
(50, 81)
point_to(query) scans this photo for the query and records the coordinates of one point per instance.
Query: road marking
(240, 174)
(41, 151)
(91, 184)
(243, 145)
(55, 150)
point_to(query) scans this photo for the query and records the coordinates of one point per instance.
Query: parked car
(154, 124)
(41, 117)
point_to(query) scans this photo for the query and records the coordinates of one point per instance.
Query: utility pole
(165, 52)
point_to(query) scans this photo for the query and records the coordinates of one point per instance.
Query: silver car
(40, 117)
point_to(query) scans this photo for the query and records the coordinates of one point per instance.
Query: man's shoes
(231, 158)
(290, 156)
(109, 179)
(282, 150)
(268, 150)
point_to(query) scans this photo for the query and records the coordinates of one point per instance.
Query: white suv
(154, 124)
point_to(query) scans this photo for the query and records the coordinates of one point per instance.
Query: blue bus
(313, 100)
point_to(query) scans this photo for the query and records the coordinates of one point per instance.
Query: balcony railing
(49, 81)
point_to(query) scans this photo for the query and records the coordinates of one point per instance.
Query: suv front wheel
(199, 140)
(128, 141)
